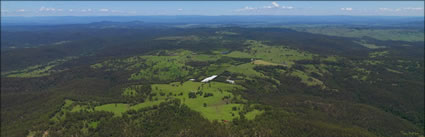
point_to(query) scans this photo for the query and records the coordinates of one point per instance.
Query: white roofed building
(209, 78)
(231, 81)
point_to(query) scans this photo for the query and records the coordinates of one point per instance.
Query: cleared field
(251, 115)
(306, 79)
(77, 108)
(93, 124)
(362, 74)
(166, 66)
(272, 54)
(378, 54)
(218, 106)
(171, 65)
(116, 108)
(368, 45)
(213, 100)
(226, 33)
(65, 108)
(381, 34)
(180, 38)
(394, 71)
(162, 68)
(130, 92)
(262, 62)
(245, 69)
(38, 70)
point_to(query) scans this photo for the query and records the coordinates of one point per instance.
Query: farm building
(231, 81)
(209, 78)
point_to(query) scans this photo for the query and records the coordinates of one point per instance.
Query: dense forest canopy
(142, 76)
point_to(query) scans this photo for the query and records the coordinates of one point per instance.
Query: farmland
(272, 80)
(38, 70)
(213, 100)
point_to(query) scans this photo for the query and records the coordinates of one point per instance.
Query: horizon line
(215, 15)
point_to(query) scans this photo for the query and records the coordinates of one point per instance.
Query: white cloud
(389, 9)
(268, 7)
(103, 10)
(70, 10)
(21, 10)
(287, 7)
(60, 9)
(410, 8)
(250, 8)
(384, 9)
(179, 9)
(246, 8)
(275, 4)
(86, 10)
(46, 9)
(400, 9)
(347, 9)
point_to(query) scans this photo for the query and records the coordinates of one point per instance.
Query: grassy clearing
(78, 108)
(245, 69)
(362, 74)
(146, 104)
(368, 45)
(204, 57)
(262, 62)
(129, 92)
(67, 107)
(251, 115)
(380, 34)
(163, 68)
(318, 69)
(116, 108)
(226, 33)
(130, 63)
(273, 54)
(394, 71)
(215, 69)
(372, 62)
(166, 66)
(276, 55)
(213, 100)
(219, 106)
(38, 70)
(362, 70)
(378, 54)
(180, 38)
(330, 58)
(360, 77)
(93, 124)
(306, 79)
(171, 65)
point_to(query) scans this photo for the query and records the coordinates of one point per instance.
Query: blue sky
(211, 8)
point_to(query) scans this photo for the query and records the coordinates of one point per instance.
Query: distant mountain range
(369, 20)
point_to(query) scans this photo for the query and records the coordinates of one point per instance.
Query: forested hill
(139, 78)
